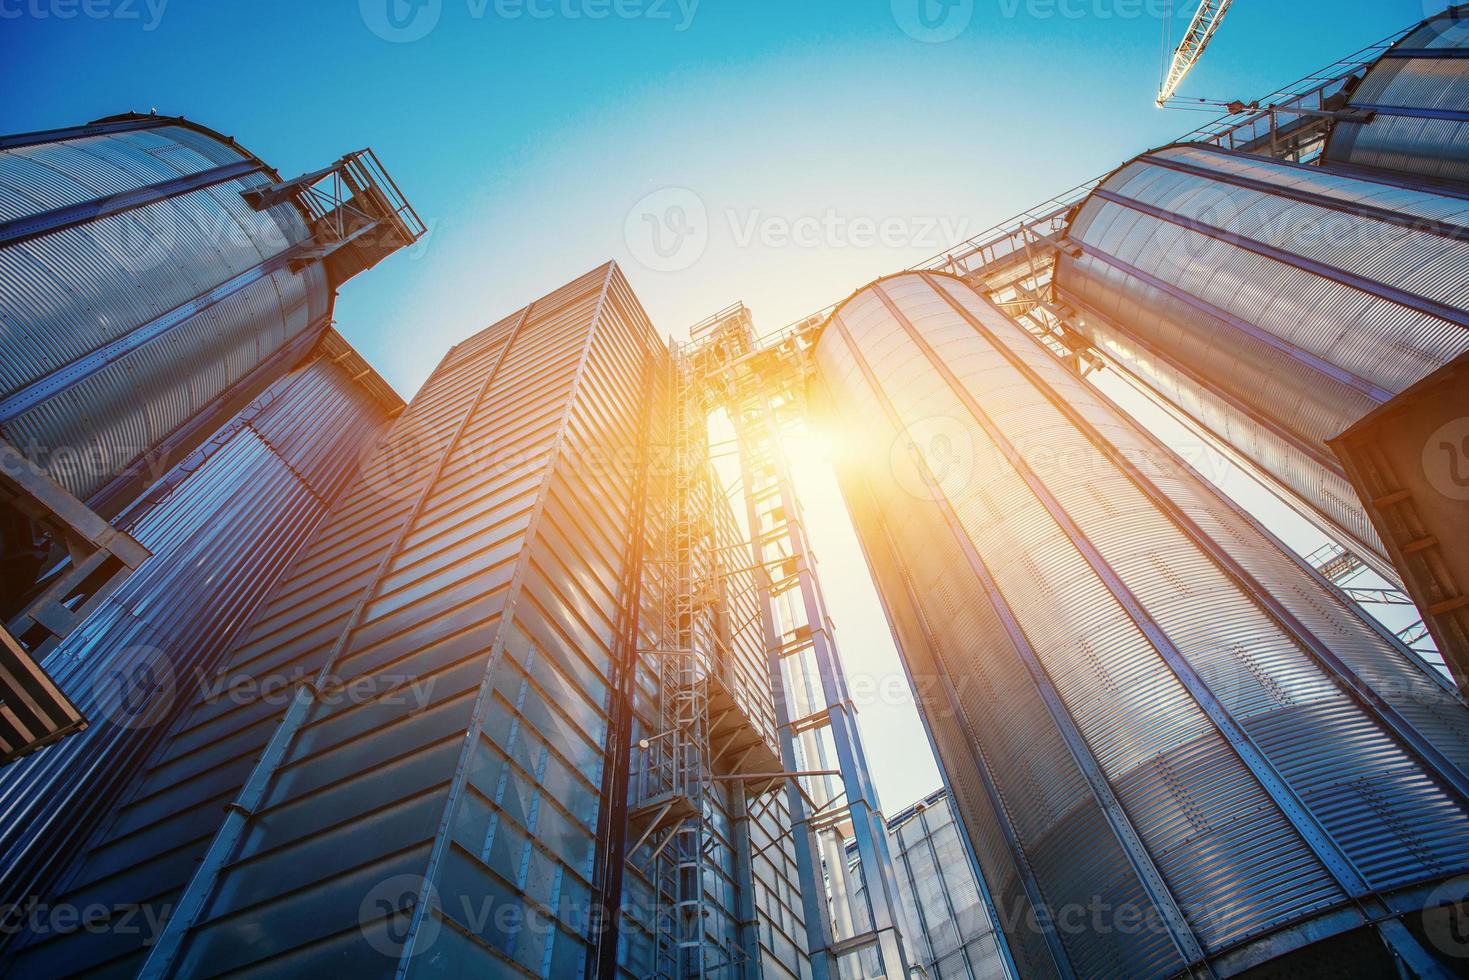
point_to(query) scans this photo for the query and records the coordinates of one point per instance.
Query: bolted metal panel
(1273, 304)
(223, 526)
(155, 835)
(1213, 679)
(1418, 98)
(1409, 461)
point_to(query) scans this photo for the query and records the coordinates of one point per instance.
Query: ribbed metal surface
(456, 613)
(1274, 304)
(66, 294)
(1208, 674)
(222, 527)
(1420, 91)
(950, 929)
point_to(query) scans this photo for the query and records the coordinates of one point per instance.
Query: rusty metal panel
(223, 526)
(1419, 92)
(1409, 462)
(1273, 304)
(1249, 750)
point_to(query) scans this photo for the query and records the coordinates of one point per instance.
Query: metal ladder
(852, 913)
(674, 777)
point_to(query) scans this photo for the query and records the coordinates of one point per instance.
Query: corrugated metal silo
(155, 276)
(223, 526)
(418, 718)
(1273, 304)
(1417, 96)
(1142, 704)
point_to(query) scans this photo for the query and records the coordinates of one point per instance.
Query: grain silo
(1142, 704)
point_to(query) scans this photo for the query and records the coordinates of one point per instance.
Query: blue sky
(807, 146)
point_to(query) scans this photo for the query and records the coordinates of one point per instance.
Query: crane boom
(1200, 32)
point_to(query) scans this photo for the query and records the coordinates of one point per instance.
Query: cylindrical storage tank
(1414, 104)
(1272, 303)
(1168, 741)
(139, 292)
(223, 526)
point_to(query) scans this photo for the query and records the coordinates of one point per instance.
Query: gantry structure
(813, 759)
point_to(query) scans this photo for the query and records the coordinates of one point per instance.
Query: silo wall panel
(467, 604)
(153, 837)
(106, 358)
(222, 527)
(1168, 628)
(1273, 303)
(1419, 91)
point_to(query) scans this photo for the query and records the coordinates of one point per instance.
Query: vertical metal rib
(169, 944)
(1408, 736)
(971, 747)
(1152, 881)
(1305, 823)
(1326, 849)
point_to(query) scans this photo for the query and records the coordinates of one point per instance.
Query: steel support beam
(34, 225)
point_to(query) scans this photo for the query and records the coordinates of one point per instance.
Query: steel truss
(853, 927)
(674, 775)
